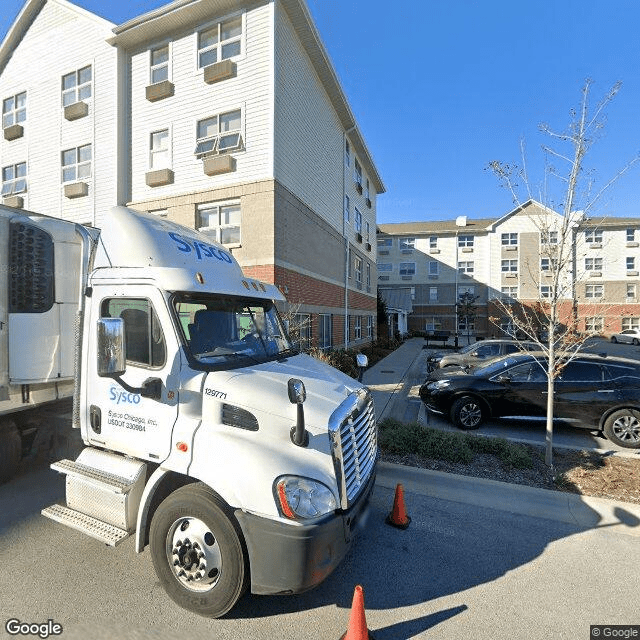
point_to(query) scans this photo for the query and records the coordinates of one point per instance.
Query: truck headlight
(438, 384)
(302, 498)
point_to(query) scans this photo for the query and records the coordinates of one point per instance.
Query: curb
(585, 512)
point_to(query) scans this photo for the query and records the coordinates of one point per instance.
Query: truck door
(116, 418)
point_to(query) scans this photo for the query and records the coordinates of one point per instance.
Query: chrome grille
(353, 432)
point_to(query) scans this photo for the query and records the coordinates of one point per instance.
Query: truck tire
(10, 449)
(198, 551)
(467, 413)
(622, 427)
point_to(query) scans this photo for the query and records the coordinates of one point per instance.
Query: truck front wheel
(10, 449)
(198, 552)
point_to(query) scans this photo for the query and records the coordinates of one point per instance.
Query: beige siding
(250, 90)
(308, 153)
(59, 41)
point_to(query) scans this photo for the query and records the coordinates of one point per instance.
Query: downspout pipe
(346, 243)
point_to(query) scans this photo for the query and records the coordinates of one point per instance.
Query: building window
(358, 269)
(369, 326)
(367, 227)
(546, 291)
(159, 149)
(434, 268)
(594, 324)
(631, 291)
(347, 153)
(465, 241)
(508, 294)
(549, 237)
(593, 236)
(630, 323)
(407, 244)
(594, 291)
(357, 172)
(509, 239)
(219, 134)
(407, 268)
(466, 290)
(76, 86)
(222, 221)
(433, 294)
(159, 64)
(76, 163)
(347, 210)
(466, 324)
(545, 264)
(14, 110)
(366, 188)
(368, 275)
(631, 263)
(385, 267)
(324, 330)
(220, 42)
(357, 220)
(631, 235)
(432, 324)
(385, 243)
(433, 242)
(357, 328)
(465, 267)
(14, 179)
(593, 264)
(510, 266)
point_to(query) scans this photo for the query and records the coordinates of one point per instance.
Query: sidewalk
(393, 383)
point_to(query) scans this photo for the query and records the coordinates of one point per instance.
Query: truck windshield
(220, 330)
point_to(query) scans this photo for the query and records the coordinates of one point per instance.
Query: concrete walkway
(393, 383)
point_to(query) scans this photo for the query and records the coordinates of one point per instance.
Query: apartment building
(424, 268)
(224, 116)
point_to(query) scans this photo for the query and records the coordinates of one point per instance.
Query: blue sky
(442, 88)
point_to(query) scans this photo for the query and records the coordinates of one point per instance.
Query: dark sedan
(593, 392)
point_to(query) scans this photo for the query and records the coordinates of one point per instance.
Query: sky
(441, 89)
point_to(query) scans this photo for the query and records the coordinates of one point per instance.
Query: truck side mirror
(111, 348)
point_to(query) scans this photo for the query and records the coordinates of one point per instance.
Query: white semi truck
(239, 461)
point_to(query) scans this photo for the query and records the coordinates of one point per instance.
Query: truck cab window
(143, 337)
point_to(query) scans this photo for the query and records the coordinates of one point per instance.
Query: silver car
(478, 352)
(629, 336)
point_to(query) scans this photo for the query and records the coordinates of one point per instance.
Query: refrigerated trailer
(240, 462)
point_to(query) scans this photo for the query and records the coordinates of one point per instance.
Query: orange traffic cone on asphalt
(398, 517)
(357, 629)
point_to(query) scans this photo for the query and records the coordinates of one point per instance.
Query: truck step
(93, 527)
(94, 476)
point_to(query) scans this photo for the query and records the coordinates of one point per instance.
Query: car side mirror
(111, 348)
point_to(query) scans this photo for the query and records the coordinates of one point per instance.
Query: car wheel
(466, 413)
(635, 342)
(613, 339)
(197, 551)
(623, 428)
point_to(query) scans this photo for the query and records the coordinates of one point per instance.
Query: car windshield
(468, 348)
(227, 330)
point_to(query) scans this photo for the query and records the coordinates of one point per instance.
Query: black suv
(595, 392)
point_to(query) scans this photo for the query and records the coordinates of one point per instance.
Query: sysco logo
(201, 250)
(123, 397)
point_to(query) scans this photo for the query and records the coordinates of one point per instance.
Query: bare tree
(552, 319)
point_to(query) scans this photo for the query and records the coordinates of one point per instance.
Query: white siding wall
(308, 154)
(59, 41)
(193, 100)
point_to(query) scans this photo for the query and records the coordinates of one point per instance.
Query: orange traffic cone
(398, 517)
(357, 622)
